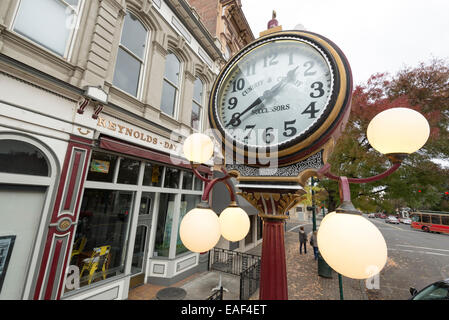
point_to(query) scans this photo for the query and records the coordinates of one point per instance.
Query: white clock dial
(275, 93)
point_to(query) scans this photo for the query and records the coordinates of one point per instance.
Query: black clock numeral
(250, 128)
(311, 110)
(238, 85)
(288, 127)
(309, 65)
(268, 136)
(235, 120)
(233, 103)
(318, 86)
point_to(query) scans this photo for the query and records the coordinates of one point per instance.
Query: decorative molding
(159, 48)
(315, 161)
(189, 75)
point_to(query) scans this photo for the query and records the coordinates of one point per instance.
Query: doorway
(141, 242)
(20, 213)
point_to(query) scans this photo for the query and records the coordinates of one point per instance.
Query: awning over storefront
(130, 149)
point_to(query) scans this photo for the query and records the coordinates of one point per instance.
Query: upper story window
(131, 56)
(170, 87)
(50, 23)
(197, 105)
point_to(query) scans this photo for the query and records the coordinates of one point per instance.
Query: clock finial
(273, 22)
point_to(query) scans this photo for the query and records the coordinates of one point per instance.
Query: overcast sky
(376, 36)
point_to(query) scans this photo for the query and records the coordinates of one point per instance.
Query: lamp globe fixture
(234, 223)
(198, 148)
(398, 131)
(351, 245)
(200, 230)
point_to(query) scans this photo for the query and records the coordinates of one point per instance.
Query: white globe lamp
(398, 131)
(234, 223)
(200, 229)
(351, 245)
(198, 148)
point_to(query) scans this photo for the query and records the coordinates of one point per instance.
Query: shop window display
(152, 175)
(102, 167)
(99, 248)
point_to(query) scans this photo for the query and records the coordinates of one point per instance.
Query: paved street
(415, 259)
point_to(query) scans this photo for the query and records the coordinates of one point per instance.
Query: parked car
(405, 220)
(383, 216)
(392, 219)
(436, 291)
(371, 215)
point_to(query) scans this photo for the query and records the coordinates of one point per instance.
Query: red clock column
(273, 270)
(272, 209)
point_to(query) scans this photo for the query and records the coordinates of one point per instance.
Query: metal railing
(249, 281)
(232, 262)
(217, 295)
(244, 265)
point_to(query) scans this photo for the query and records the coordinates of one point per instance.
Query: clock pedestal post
(272, 206)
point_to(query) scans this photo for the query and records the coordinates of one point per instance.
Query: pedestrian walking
(302, 240)
(314, 244)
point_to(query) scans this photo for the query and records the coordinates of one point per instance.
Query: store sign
(125, 131)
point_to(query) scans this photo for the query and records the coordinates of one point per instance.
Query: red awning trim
(126, 148)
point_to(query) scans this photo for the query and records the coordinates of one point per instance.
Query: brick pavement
(303, 280)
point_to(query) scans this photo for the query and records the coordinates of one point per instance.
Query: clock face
(274, 94)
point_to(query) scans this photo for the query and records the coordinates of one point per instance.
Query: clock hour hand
(235, 120)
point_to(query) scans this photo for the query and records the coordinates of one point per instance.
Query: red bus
(430, 221)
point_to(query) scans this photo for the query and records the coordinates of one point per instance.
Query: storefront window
(198, 184)
(152, 175)
(102, 167)
(187, 180)
(172, 176)
(188, 202)
(22, 158)
(99, 248)
(129, 171)
(164, 224)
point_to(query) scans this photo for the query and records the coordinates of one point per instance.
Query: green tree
(419, 182)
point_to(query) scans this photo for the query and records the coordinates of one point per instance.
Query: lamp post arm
(211, 182)
(324, 171)
(346, 205)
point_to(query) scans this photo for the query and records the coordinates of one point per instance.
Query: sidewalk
(302, 278)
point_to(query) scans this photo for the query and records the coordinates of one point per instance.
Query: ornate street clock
(281, 97)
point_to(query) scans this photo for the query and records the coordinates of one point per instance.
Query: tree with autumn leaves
(421, 180)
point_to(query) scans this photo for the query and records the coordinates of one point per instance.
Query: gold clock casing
(329, 127)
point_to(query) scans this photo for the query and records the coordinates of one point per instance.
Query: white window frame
(143, 62)
(72, 36)
(177, 88)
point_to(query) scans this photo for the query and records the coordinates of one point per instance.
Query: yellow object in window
(100, 257)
